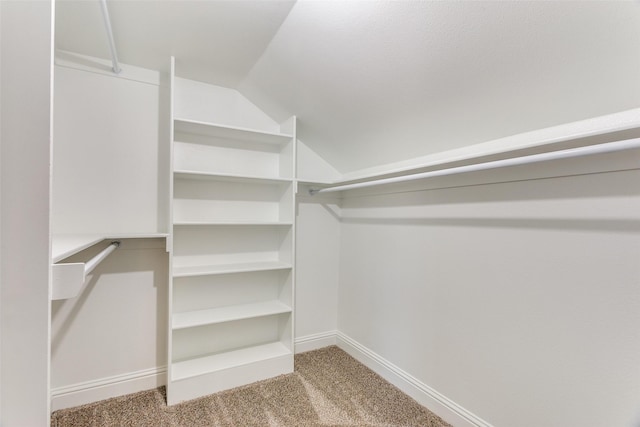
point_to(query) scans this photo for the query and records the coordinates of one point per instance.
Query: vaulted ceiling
(380, 81)
(216, 41)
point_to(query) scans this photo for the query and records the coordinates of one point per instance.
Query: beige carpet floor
(328, 388)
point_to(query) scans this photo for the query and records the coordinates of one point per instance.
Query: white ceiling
(215, 41)
(381, 81)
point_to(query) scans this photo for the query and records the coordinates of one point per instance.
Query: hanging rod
(93, 262)
(608, 147)
(112, 45)
(67, 279)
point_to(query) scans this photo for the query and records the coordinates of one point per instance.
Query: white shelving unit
(232, 256)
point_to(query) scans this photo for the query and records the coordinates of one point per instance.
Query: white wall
(317, 262)
(25, 114)
(518, 301)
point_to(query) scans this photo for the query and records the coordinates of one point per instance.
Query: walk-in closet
(434, 204)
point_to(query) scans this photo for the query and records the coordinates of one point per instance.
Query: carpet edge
(436, 402)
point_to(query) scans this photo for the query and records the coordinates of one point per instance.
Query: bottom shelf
(229, 359)
(210, 374)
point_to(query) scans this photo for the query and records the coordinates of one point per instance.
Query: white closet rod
(93, 262)
(608, 147)
(112, 45)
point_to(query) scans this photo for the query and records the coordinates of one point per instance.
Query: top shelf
(229, 132)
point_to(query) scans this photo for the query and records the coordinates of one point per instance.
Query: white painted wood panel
(109, 155)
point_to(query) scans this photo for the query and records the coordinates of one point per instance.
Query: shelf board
(315, 182)
(212, 176)
(245, 267)
(230, 359)
(232, 222)
(191, 319)
(65, 245)
(232, 132)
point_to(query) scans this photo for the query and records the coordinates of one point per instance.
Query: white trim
(422, 393)
(104, 388)
(315, 341)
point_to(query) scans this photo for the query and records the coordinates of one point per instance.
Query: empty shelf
(204, 270)
(227, 314)
(232, 222)
(253, 179)
(216, 362)
(222, 131)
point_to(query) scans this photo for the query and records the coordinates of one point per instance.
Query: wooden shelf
(222, 131)
(191, 319)
(217, 362)
(65, 245)
(205, 270)
(210, 176)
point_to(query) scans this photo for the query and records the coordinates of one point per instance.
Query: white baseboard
(315, 341)
(422, 393)
(118, 385)
(105, 388)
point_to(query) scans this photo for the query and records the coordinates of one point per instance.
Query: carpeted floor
(328, 388)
